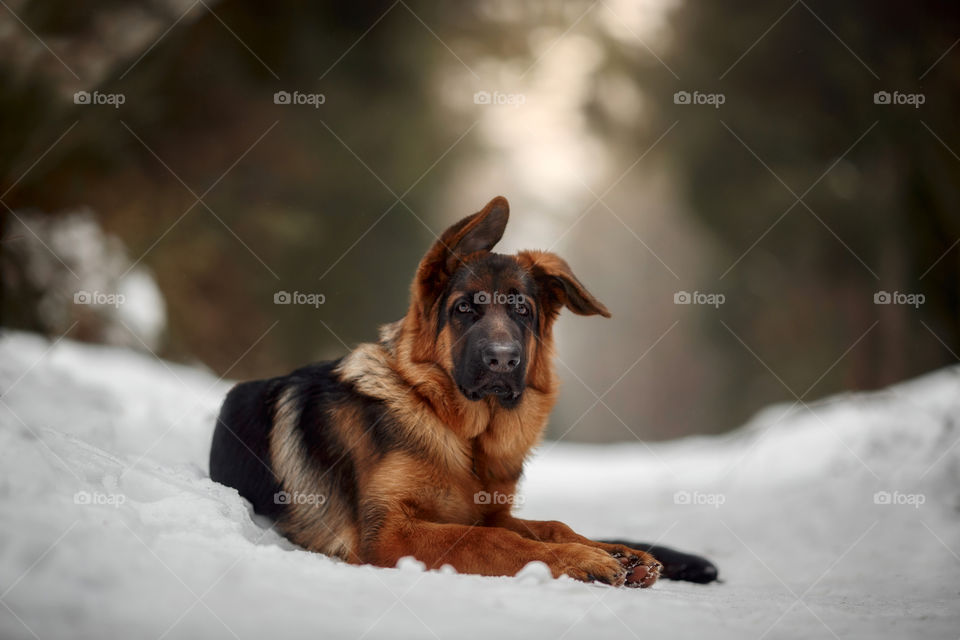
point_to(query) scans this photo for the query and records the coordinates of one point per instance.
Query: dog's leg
(488, 551)
(643, 569)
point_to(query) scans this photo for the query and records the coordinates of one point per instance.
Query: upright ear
(558, 286)
(474, 234)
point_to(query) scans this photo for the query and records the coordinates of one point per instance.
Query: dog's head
(485, 318)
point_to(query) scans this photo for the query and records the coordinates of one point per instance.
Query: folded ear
(558, 286)
(476, 233)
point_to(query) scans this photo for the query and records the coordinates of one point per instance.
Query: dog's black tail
(676, 565)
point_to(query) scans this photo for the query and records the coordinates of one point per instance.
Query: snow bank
(838, 518)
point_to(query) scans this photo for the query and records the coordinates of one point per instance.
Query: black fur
(316, 391)
(240, 456)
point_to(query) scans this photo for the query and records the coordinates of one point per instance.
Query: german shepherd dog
(392, 450)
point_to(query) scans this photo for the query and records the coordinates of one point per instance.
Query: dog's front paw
(642, 568)
(589, 564)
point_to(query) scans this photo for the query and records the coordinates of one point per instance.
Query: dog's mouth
(505, 393)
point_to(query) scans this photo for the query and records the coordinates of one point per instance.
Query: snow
(835, 519)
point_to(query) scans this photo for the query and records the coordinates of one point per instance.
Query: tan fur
(372, 369)
(320, 526)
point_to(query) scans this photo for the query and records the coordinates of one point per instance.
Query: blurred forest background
(797, 195)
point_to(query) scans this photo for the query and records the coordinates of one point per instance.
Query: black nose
(501, 357)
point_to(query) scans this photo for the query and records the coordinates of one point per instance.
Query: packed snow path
(835, 520)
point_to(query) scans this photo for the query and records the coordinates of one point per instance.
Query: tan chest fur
(471, 448)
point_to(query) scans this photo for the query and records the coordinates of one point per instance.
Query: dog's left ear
(558, 286)
(477, 233)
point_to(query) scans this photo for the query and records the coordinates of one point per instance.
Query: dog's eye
(522, 310)
(463, 307)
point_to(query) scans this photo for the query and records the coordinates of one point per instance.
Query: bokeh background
(786, 165)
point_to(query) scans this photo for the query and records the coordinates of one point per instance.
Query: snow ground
(110, 527)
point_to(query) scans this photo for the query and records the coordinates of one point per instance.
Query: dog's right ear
(558, 287)
(474, 234)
